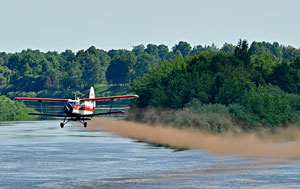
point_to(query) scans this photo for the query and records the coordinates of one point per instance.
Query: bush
(244, 116)
(11, 110)
(213, 118)
(268, 103)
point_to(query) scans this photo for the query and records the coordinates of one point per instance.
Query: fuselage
(82, 108)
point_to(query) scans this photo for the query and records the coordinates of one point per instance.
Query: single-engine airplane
(79, 109)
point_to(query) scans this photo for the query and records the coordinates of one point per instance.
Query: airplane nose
(68, 109)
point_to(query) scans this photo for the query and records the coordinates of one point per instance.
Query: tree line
(31, 72)
(257, 84)
(36, 73)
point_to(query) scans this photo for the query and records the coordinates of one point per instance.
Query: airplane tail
(92, 95)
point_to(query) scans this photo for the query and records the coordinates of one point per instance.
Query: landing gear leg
(82, 121)
(62, 124)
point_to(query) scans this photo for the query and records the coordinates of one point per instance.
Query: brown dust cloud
(283, 144)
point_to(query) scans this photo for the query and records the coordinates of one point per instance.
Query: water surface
(40, 154)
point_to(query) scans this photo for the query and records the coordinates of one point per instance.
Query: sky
(58, 25)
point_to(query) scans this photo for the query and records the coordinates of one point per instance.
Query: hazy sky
(113, 24)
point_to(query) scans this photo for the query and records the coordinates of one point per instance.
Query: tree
(139, 49)
(163, 52)
(120, 70)
(152, 49)
(143, 64)
(233, 88)
(183, 47)
(241, 52)
(5, 74)
(285, 77)
(228, 48)
(72, 77)
(206, 48)
(93, 63)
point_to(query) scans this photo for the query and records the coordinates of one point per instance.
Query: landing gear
(81, 120)
(62, 124)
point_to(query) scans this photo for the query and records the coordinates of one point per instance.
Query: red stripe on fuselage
(84, 108)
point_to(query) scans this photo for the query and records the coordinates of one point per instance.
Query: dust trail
(243, 144)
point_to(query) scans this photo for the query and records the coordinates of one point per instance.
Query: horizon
(170, 48)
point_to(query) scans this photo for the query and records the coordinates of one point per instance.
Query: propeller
(68, 108)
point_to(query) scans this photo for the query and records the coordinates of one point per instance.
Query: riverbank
(14, 111)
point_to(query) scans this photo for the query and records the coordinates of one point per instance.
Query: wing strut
(41, 106)
(111, 102)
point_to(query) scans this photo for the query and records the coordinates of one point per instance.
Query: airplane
(79, 109)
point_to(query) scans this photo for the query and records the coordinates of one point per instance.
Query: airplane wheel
(85, 124)
(61, 125)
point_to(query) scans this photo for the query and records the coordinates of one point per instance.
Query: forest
(35, 73)
(213, 88)
(235, 87)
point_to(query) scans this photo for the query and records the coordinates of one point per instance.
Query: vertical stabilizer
(92, 93)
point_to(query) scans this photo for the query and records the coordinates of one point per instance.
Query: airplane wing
(109, 98)
(41, 99)
(72, 115)
(51, 115)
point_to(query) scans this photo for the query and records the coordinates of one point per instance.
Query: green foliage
(246, 117)
(34, 71)
(144, 63)
(163, 52)
(139, 49)
(269, 103)
(233, 86)
(241, 52)
(11, 110)
(152, 50)
(212, 118)
(183, 47)
(228, 49)
(259, 85)
(287, 76)
(120, 70)
(255, 87)
(206, 48)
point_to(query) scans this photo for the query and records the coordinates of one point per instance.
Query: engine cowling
(68, 109)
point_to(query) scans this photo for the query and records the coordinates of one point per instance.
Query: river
(39, 154)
